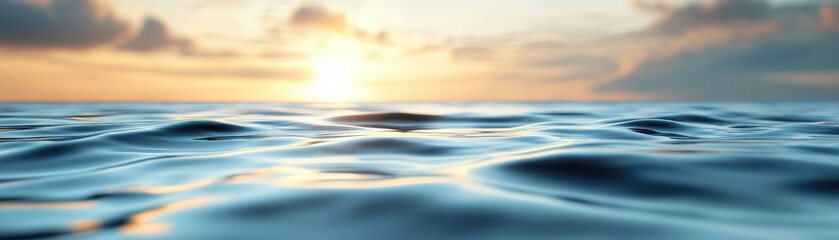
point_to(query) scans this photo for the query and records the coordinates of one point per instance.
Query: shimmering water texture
(420, 171)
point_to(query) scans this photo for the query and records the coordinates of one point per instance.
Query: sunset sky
(411, 50)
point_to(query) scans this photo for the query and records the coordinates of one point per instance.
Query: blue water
(420, 171)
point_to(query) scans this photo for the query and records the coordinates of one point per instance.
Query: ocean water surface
(656, 170)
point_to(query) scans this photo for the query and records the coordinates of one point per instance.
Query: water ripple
(420, 171)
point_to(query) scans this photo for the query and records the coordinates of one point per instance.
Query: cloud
(766, 66)
(829, 17)
(716, 13)
(577, 67)
(68, 24)
(82, 24)
(475, 53)
(828, 78)
(323, 20)
(189, 68)
(154, 36)
(319, 18)
(738, 71)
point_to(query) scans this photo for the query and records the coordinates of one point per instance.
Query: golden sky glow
(401, 50)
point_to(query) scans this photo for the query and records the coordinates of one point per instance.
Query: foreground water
(420, 171)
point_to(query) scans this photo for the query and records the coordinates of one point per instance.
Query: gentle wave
(420, 171)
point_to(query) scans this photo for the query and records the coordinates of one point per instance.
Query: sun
(333, 80)
(336, 63)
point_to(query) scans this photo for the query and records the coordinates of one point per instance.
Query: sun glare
(333, 79)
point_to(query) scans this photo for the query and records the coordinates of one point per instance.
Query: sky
(409, 50)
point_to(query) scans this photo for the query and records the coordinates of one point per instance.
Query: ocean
(611, 170)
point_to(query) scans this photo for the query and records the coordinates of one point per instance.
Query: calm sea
(644, 170)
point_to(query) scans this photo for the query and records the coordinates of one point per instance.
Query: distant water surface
(420, 171)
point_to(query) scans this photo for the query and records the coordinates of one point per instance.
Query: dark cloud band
(58, 24)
